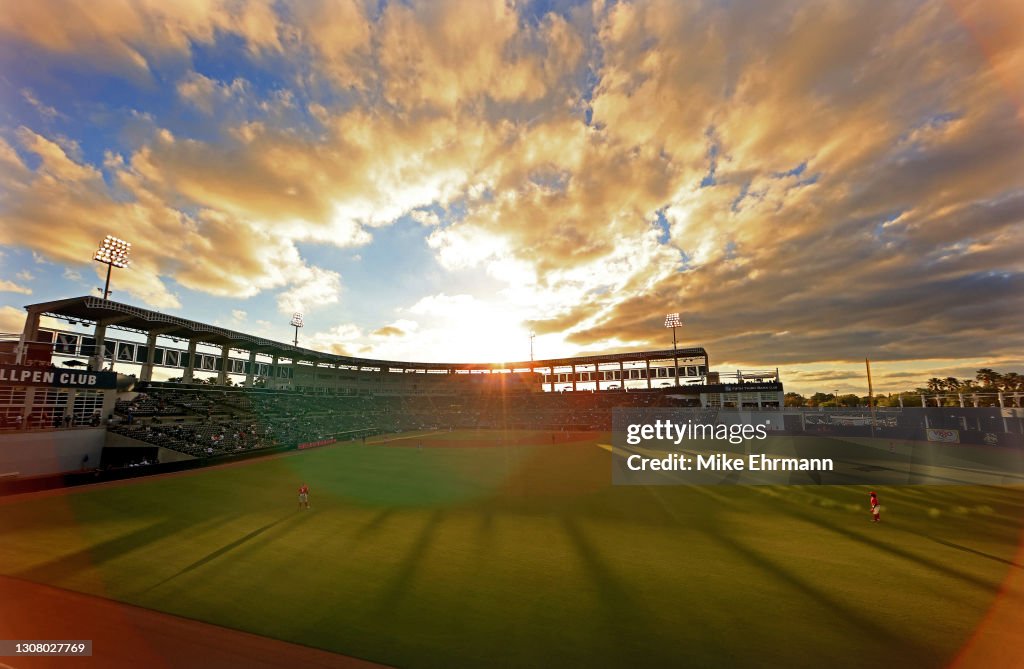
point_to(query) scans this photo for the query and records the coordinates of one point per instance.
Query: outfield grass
(494, 554)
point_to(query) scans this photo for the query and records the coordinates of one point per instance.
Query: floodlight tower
(297, 322)
(672, 321)
(113, 252)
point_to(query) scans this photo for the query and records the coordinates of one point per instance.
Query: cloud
(388, 331)
(844, 174)
(44, 110)
(425, 218)
(133, 38)
(11, 287)
(314, 288)
(339, 339)
(207, 94)
(11, 319)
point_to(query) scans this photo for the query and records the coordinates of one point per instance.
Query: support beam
(150, 360)
(252, 369)
(225, 360)
(100, 335)
(190, 368)
(648, 363)
(147, 367)
(29, 334)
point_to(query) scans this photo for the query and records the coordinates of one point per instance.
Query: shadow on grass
(934, 565)
(860, 623)
(210, 557)
(625, 629)
(398, 587)
(98, 554)
(373, 524)
(968, 549)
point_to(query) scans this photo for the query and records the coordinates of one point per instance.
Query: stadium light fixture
(297, 323)
(113, 252)
(672, 321)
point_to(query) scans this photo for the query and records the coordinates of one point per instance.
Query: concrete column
(69, 408)
(574, 377)
(30, 398)
(273, 371)
(648, 363)
(29, 333)
(98, 356)
(190, 368)
(960, 396)
(622, 376)
(222, 375)
(252, 368)
(147, 367)
(109, 401)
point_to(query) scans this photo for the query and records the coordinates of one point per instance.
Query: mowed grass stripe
(526, 555)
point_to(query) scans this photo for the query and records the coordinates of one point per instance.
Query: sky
(807, 183)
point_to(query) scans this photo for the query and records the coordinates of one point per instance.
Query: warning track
(129, 636)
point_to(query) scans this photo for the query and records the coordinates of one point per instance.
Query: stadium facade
(57, 383)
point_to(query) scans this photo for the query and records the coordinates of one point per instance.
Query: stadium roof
(93, 310)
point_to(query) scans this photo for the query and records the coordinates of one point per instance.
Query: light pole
(532, 337)
(297, 322)
(672, 321)
(113, 252)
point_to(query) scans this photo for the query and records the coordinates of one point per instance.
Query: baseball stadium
(467, 514)
(466, 334)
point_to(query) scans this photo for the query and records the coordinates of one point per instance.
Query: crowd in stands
(213, 422)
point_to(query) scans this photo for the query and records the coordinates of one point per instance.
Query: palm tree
(1011, 381)
(988, 377)
(935, 384)
(952, 384)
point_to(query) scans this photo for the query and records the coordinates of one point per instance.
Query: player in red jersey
(304, 496)
(876, 510)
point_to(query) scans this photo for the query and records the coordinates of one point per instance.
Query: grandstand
(263, 394)
(268, 396)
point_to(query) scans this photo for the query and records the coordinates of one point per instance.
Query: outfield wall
(30, 453)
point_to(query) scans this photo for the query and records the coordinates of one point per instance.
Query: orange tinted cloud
(803, 182)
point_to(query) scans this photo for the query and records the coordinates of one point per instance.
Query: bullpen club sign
(15, 375)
